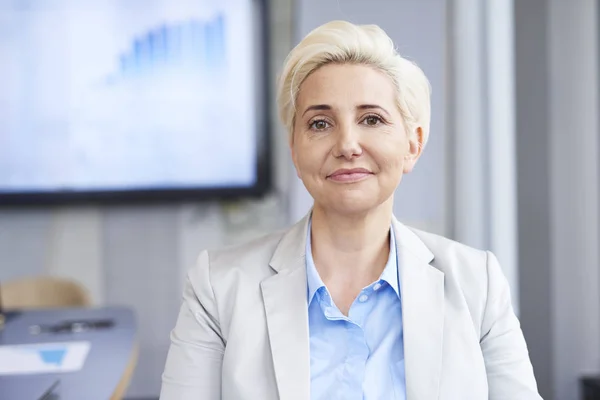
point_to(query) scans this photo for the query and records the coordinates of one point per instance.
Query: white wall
(482, 127)
(557, 145)
(574, 188)
(533, 159)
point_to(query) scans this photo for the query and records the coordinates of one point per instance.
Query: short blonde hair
(342, 42)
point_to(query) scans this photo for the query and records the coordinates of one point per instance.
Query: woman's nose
(347, 143)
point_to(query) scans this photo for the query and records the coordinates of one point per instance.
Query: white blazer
(242, 332)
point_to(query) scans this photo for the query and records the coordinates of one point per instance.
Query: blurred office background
(511, 166)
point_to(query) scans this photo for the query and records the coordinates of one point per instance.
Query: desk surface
(109, 354)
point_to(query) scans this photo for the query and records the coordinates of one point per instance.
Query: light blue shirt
(360, 356)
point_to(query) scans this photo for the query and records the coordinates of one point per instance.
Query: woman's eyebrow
(372, 106)
(319, 107)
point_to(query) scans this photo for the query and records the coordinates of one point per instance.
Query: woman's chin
(351, 205)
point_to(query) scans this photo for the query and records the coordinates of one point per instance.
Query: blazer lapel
(286, 310)
(422, 291)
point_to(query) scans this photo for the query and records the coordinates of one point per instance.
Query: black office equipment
(590, 388)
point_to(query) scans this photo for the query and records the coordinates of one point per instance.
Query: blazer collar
(286, 309)
(292, 246)
(422, 288)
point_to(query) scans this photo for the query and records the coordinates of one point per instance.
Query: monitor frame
(152, 195)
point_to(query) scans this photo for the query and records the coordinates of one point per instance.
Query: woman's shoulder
(255, 250)
(469, 271)
(443, 248)
(252, 258)
(464, 265)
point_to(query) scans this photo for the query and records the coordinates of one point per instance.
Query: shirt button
(363, 298)
(377, 286)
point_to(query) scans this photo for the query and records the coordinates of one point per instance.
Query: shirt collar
(390, 272)
(314, 281)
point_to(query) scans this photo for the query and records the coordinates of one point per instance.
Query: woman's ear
(415, 148)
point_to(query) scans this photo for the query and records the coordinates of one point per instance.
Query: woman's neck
(351, 249)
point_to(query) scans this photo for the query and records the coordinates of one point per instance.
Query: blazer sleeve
(509, 370)
(194, 361)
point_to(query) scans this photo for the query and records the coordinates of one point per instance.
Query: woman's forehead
(344, 86)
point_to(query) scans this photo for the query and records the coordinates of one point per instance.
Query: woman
(349, 303)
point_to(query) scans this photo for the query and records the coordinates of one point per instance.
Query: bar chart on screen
(196, 47)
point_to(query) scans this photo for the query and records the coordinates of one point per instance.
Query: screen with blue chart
(136, 95)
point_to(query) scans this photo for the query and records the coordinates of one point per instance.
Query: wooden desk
(108, 360)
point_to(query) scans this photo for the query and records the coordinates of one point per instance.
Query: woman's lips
(350, 175)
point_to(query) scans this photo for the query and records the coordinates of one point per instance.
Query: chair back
(42, 292)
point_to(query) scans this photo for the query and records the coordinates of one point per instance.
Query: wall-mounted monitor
(120, 100)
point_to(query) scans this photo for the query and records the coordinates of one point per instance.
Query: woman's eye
(319, 125)
(372, 120)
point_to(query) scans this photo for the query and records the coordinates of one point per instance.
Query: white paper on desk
(43, 358)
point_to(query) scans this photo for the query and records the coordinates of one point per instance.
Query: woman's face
(350, 146)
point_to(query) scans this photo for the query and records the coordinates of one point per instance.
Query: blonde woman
(349, 303)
